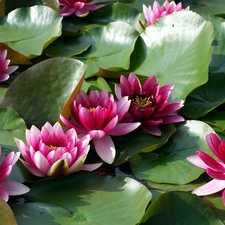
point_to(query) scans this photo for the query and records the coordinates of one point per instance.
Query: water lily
(215, 168)
(149, 103)
(9, 187)
(99, 115)
(53, 152)
(5, 69)
(153, 13)
(79, 8)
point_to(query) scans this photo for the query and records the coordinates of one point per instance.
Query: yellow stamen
(142, 102)
(91, 109)
(52, 147)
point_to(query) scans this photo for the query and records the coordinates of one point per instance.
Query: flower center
(91, 109)
(52, 147)
(142, 102)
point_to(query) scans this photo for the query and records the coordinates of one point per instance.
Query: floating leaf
(86, 199)
(42, 92)
(178, 51)
(6, 214)
(169, 163)
(179, 208)
(29, 30)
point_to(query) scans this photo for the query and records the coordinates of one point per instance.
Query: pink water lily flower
(53, 152)
(5, 69)
(79, 8)
(9, 187)
(99, 115)
(215, 168)
(149, 103)
(153, 13)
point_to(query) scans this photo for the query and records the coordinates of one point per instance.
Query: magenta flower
(149, 103)
(79, 8)
(5, 69)
(9, 187)
(51, 152)
(153, 13)
(214, 168)
(99, 115)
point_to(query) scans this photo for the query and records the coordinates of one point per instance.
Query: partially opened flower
(9, 187)
(153, 13)
(51, 152)
(5, 69)
(99, 115)
(149, 103)
(215, 168)
(79, 8)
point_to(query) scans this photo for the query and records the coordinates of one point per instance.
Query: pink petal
(211, 162)
(32, 169)
(125, 86)
(124, 128)
(196, 160)
(111, 125)
(4, 195)
(13, 187)
(67, 11)
(152, 130)
(11, 69)
(118, 91)
(41, 162)
(209, 188)
(86, 119)
(105, 148)
(215, 174)
(123, 106)
(96, 134)
(172, 119)
(213, 142)
(90, 167)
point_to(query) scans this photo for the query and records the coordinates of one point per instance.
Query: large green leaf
(67, 46)
(10, 5)
(206, 6)
(177, 50)
(111, 47)
(169, 163)
(29, 30)
(205, 98)
(137, 141)
(11, 125)
(40, 93)
(115, 12)
(216, 119)
(6, 214)
(179, 208)
(87, 199)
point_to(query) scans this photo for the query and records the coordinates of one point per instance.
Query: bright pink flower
(149, 103)
(214, 168)
(79, 8)
(5, 69)
(99, 115)
(51, 152)
(9, 187)
(153, 13)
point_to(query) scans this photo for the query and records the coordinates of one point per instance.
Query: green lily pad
(30, 30)
(177, 50)
(169, 164)
(40, 93)
(6, 214)
(137, 141)
(179, 208)
(111, 47)
(85, 198)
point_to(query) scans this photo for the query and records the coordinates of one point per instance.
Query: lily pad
(86, 198)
